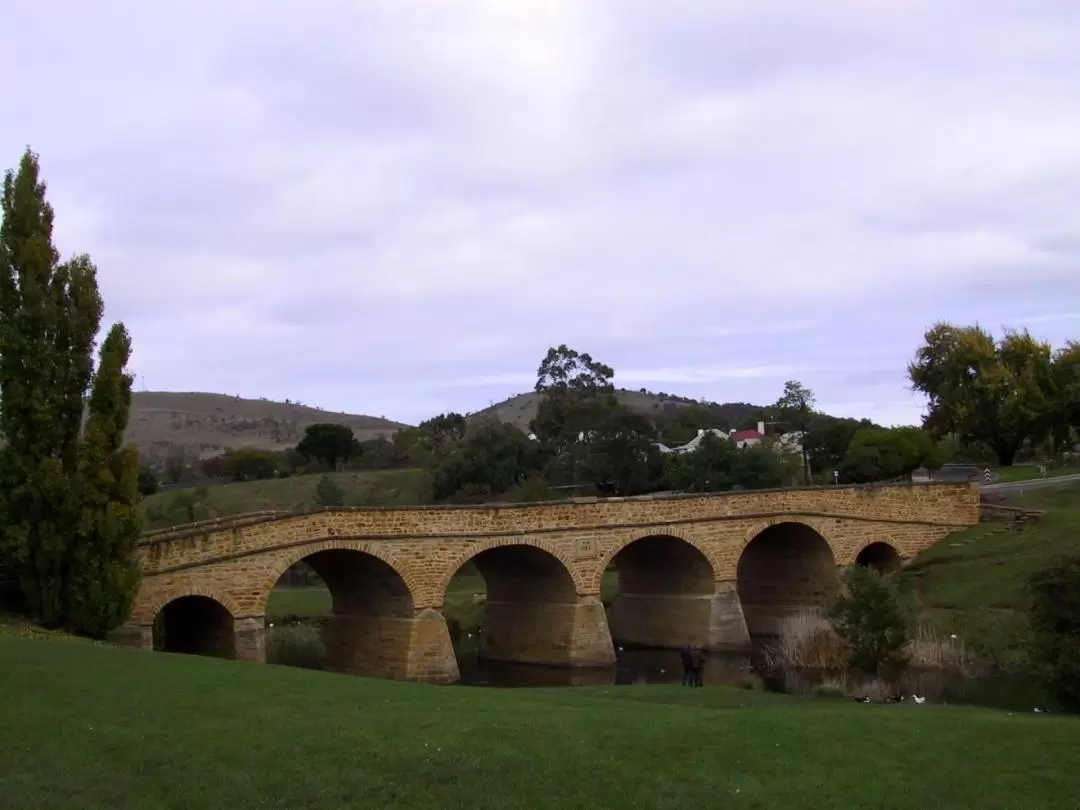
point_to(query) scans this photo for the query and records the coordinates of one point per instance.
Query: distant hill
(521, 410)
(206, 425)
(203, 425)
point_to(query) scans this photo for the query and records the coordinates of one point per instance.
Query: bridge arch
(529, 611)
(880, 555)
(191, 589)
(369, 629)
(785, 567)
(282, 562)
(666, 585)
(550, 550)
(193, 622)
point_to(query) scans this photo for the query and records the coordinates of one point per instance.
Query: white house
(785, 443)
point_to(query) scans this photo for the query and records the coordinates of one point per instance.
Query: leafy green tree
(1055, 624)
(878, 454)
(717, 465)
(328, 492)
(189, 506)
(250, 464)
(828, 438)
(492, 459)
(1066, 387)
(329, 444)
(759, 467)
(873, 618)
(711, 467)
(680, 424)
(432, 439)
(446, 428)
(621, 457)
(997, 392)
(382, 454)
(796, 408)
(148, 482)
(578, 395)
(213, 467)
(66, 524)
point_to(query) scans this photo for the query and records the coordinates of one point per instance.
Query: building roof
(740, 435)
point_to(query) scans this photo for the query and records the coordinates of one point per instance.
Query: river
(1015, 692)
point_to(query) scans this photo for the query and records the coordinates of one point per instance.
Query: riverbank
(972, 584)
(119, 728)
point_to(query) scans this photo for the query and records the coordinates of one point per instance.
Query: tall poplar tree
(67, 525)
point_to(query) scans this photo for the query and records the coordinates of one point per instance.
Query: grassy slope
(972, 583)
(381, 488)
(1029, 472)
(97, 727)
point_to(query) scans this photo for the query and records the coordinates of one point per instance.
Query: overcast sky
(394, 207)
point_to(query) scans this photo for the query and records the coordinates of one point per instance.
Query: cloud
(396, 207)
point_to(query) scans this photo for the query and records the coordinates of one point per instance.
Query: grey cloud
(370, 205)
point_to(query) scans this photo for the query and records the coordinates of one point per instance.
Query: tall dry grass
(808, 641)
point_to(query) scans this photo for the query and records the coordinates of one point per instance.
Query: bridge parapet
(927, 503)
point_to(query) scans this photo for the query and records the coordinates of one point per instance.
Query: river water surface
(651, 666)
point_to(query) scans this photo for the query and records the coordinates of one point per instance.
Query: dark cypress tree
(103, 575)
(50, 313)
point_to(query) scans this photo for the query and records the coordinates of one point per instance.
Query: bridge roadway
(712, 569)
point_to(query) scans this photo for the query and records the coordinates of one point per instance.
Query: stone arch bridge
(709, 569)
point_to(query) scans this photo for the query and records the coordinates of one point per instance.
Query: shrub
(874, 621)
(295, 647)
(1055, 625)
(829, 689)
(752, 683)
(328, 492)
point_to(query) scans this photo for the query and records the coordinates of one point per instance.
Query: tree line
(585, 441)
(68, 483)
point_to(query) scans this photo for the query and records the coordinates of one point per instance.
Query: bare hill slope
(208, 424)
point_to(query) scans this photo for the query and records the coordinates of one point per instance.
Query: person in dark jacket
(698, 657)
(687, 666)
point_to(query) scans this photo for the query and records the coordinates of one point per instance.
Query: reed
(808, 641)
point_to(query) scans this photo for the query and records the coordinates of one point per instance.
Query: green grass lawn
(1024, 472)
(380, 488)
(972, 583)
(89, 726)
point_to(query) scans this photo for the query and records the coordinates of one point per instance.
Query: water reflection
(301, 645)
(1015, 692)
(633, 666)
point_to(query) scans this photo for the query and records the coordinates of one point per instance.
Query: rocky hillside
(521, 410)
(205, 425)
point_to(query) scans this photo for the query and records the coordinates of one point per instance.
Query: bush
(874, 621)
(830, 689)
(1055, 625)
(295, 647)
(328, 492)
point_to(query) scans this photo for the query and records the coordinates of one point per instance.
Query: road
(1034, 483)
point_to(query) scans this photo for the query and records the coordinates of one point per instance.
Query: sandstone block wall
(388, 569)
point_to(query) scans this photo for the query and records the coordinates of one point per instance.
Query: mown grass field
(1026, 472)
(973, 582)
(379, 488)
(90, 726)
